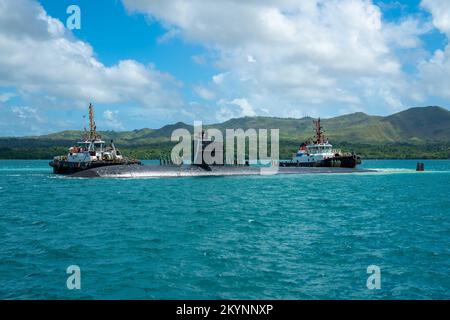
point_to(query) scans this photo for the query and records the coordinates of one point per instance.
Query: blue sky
(116, 34)
(150, 63)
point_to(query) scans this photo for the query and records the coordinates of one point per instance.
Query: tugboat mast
(92, 126)
(320, 138)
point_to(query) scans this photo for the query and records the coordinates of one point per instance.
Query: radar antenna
(85, 135)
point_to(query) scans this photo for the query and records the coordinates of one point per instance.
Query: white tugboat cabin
(93, 151)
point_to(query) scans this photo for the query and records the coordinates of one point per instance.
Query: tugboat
(320, 153)
(89, 153)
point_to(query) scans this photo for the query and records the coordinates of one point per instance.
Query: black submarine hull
(155, 171)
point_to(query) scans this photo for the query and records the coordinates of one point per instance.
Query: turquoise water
(261, 237)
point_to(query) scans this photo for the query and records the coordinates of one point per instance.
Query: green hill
(422, 124)
(413, 133)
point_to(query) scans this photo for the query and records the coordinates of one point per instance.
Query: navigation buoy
(420, 166)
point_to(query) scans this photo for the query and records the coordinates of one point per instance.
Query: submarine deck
(149, 171)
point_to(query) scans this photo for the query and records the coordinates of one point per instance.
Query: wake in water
(403, 171)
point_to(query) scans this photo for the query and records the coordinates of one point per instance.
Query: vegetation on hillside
(414, 133)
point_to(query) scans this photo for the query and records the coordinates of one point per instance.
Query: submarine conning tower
(199, 145)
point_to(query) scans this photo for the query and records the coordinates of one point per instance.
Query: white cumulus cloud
(204, 93)
(434, 73)
(111, 120)
(40, 58)
(284, 54)
(440, 9)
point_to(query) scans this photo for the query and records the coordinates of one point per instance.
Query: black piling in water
(420, 166)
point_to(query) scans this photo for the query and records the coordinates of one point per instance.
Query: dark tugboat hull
(350, 161)
(65, 167)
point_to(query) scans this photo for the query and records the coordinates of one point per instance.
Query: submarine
(199, 168)
(172, 171)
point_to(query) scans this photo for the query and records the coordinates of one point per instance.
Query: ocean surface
(257, 237)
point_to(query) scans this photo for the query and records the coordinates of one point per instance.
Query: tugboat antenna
(85, 136)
